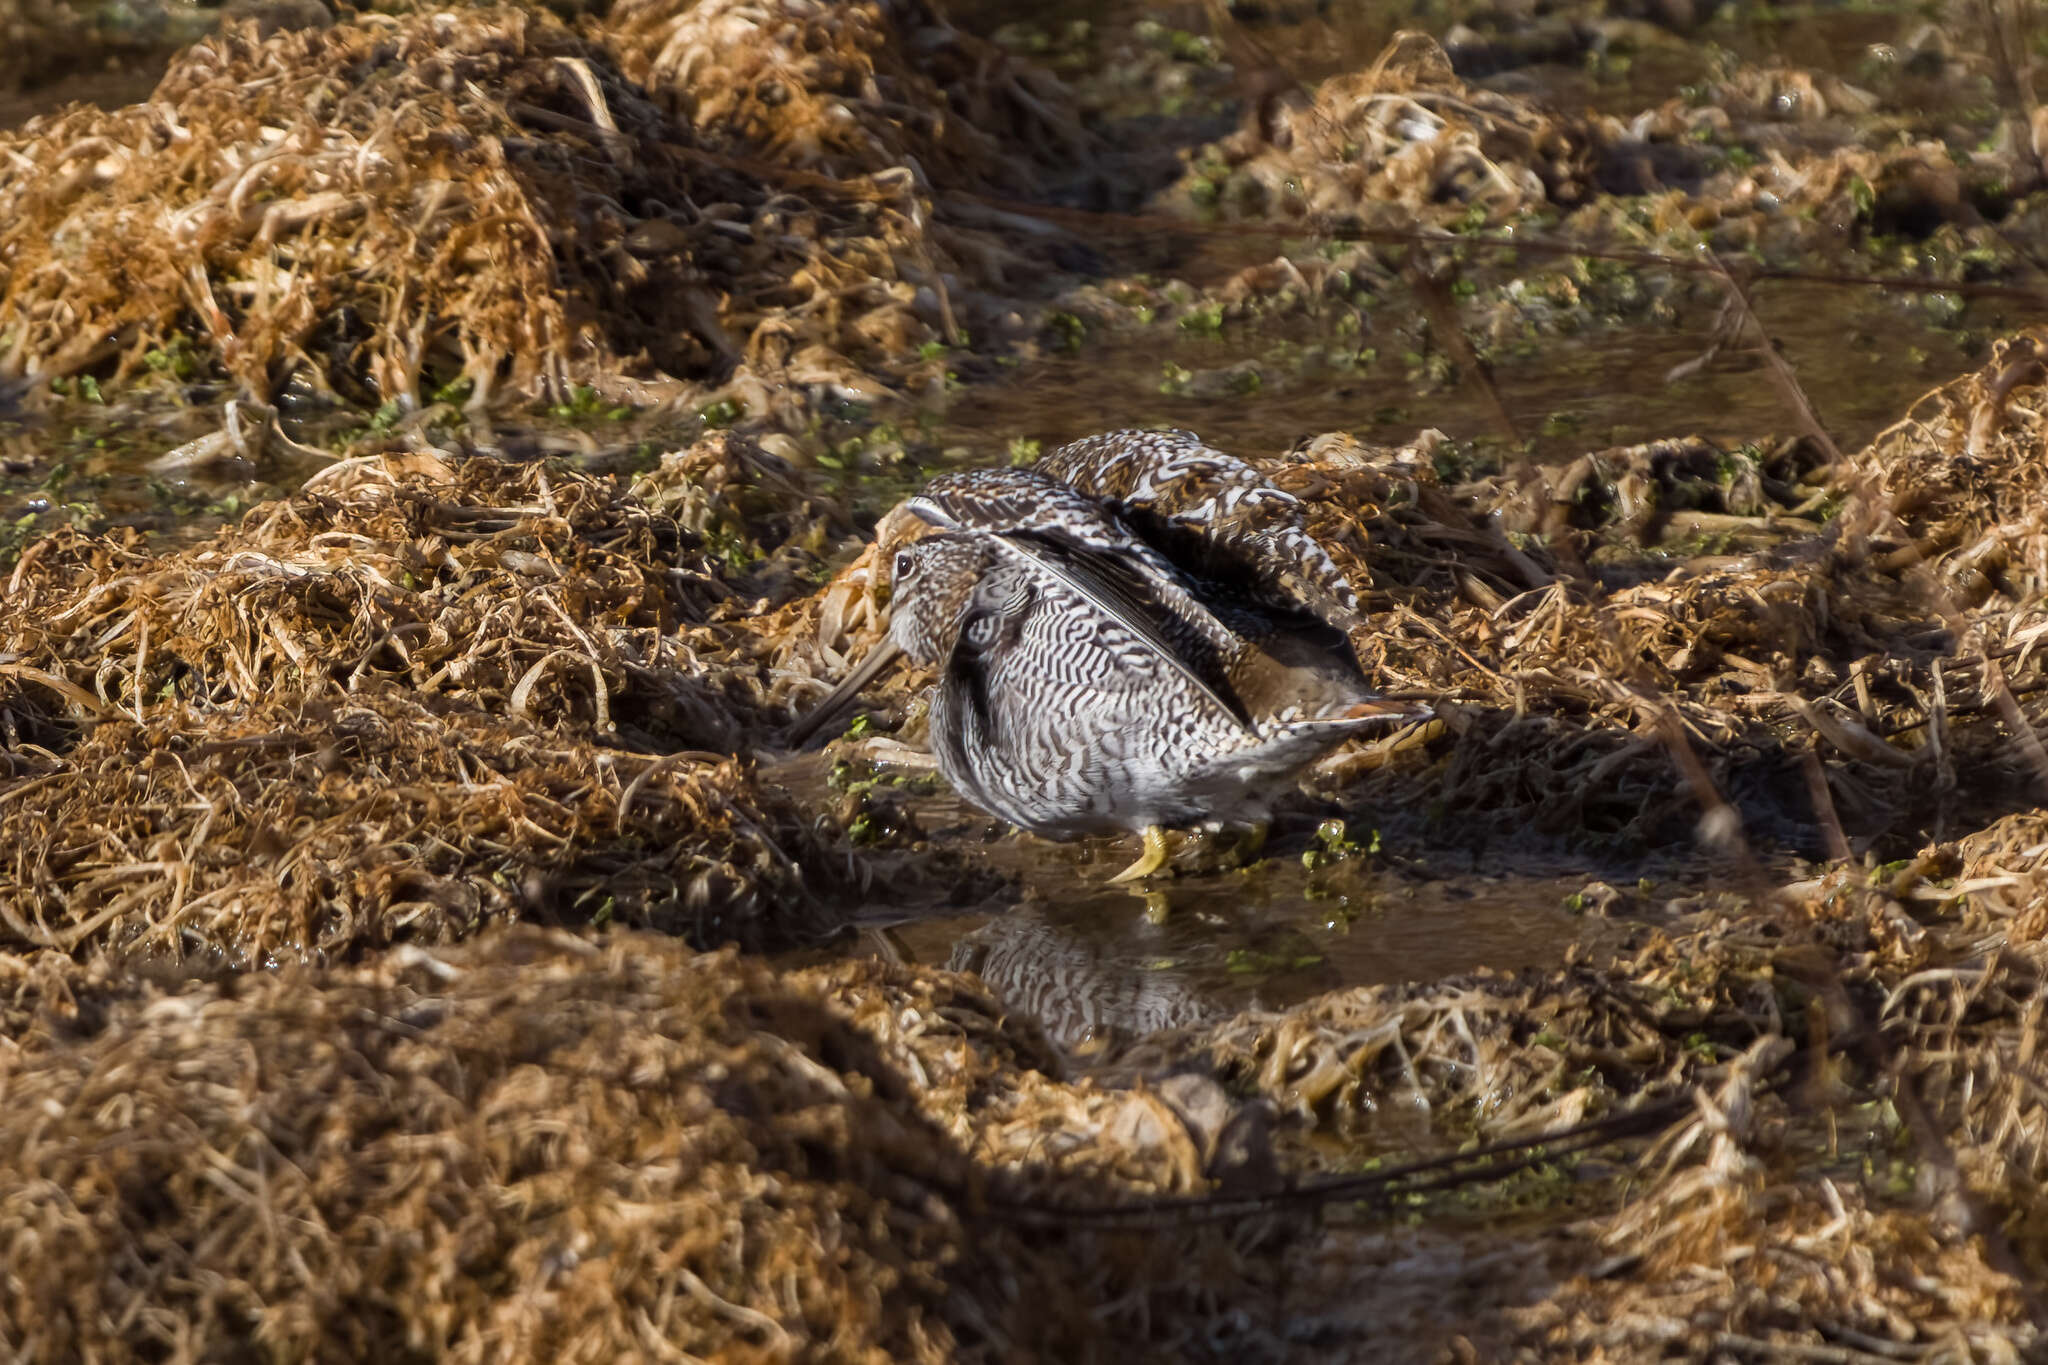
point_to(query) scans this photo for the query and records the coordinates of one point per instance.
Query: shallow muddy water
(1096, 966)
(1099, 966)
(1862, 357)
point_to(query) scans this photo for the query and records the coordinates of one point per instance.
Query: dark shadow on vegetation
(756, 1159)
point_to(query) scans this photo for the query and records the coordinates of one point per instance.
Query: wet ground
(1862, 357)
(1332, 902)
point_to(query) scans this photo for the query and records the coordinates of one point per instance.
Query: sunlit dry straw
(435, 206)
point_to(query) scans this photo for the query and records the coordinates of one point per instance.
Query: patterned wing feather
(1007, 500)
(983, 629)
(1212, 512)
(1110, 586)
(1069, 537)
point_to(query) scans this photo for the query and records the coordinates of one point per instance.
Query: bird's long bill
(1390, 712)
(880, 657)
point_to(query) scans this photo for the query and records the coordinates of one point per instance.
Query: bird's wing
(1014, 502)
(989, 499)
(1084, 547)
(991, 621)
(966, 678)
(1125, 593)
(1201, 504)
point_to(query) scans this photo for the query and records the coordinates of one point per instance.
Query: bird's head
(920, 582)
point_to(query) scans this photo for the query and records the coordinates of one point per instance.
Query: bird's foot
(1251, 844)
(1152, 860)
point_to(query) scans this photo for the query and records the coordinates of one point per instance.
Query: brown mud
(439, 445)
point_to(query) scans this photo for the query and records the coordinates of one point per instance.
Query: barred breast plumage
(1093, 679)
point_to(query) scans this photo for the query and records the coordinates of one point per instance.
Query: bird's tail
(1297, 743)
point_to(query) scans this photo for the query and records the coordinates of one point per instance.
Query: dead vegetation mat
(851, 90)
(537, 1146)
(1858, 1178)
(628, 1147)
(422, 694)
(537, 1143)
(1774, 163)
(308, 830)
(1403, 132)
(1739, 617)
(476, 203)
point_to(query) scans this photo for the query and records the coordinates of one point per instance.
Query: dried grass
(434, 692)
(1402, 138)
(850, 90)
(1826, 164)
(350, 204)
(309, 829)
(534, 593)
(1814, 167)
(476, 203)
(1429, 1065)
(1730, 1256)
(1971, 1021)
(539, 1144)
(1847, 1184)
(540, 1147)
(421, 695)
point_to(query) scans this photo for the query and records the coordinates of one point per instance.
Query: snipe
(1093, 679)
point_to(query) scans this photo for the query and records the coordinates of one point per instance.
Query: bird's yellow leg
(1252, 843)
(1152, 860)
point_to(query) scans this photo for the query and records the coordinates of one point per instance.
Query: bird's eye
(903, 562)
